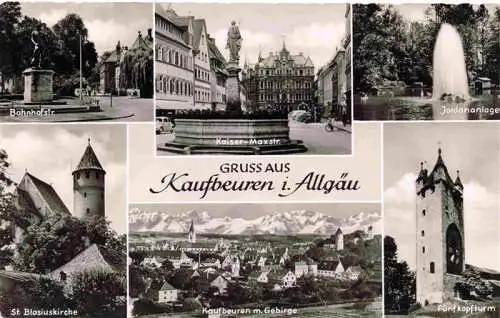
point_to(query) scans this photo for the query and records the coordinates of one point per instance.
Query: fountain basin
(232, 136)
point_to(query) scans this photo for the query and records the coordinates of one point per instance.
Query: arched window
(88, 210)
(423, 249)
(84, 194)
(432, 268)
(422, 233)
(423, 212)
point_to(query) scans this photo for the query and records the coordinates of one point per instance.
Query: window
(432, 267)
(97, 175)
(423, 249)
(88, 210)
(84, 194)
(87, 174)
(423, 212)
(77, 175)
(422, 233)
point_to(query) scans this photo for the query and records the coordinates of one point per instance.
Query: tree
(399, 281)
(50, 244)
(99, 294)
(10, 15)
(99, 232)
(137, 69)
(471, 286)
(71, 30)
(378, 45)
(37, 293)
(8, 210)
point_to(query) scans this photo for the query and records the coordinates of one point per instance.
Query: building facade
(202, 90)
(440, 233)
(218, 76)
(189, 67)
(281, 81)
(347, 64)
(112, 80)
(174, 61)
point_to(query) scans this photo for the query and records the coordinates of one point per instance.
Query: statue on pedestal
(36, 60)
(234, 42)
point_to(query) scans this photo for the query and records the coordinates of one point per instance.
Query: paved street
(141, 108)
(314, 136)
(123, 109)
(321, 142)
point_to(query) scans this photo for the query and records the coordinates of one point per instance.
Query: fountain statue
(449, 72)
(233, 102)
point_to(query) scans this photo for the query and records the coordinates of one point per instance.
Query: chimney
(301, 53)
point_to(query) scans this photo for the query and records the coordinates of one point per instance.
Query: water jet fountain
(449, 72)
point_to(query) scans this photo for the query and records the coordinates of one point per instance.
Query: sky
(471, 147)
(107, 23)
(313, 29)
(51, 152)
(252, 211)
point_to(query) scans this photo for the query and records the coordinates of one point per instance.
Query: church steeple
(192, 233)
(458, 182)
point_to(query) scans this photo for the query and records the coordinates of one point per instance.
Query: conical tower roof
(89, 160)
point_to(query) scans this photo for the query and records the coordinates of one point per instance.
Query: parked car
(164, 125)
(302, 116)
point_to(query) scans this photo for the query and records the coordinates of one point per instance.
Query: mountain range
(277, 223)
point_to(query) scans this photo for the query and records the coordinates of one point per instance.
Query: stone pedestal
(233, 100)
(38, 86)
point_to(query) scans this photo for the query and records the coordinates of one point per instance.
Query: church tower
(88, 185)
(439, 233)
(192, 233)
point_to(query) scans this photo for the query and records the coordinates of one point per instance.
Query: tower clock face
(454, 250)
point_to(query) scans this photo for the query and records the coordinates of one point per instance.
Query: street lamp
(81, 39)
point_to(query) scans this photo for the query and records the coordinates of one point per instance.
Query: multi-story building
(174, 61)
(184, 67)
(347, 64)
(202, 86)
(280, 81)
(218, 75)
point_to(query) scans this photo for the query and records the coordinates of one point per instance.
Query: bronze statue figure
(234, 42)
(36, 60)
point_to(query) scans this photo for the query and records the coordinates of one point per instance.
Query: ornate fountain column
(233, 101)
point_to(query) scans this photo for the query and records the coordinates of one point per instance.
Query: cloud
(481, 218)
(53, 157)
(53, 16)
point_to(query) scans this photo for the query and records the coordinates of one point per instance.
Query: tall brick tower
(89, 185)
(439, 233)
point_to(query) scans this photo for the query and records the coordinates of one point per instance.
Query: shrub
(99, 294)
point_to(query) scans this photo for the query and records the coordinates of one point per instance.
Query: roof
(141, 41)
(167, 286)
(434, 175)
(92, 257)
(328, 266)
(89, 160)
(198, 26)
(25, 203)
(19, 276)
(169, 254)
(354, 269)
(46, 191)
(299, 60)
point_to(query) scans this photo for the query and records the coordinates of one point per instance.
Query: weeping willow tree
(136, 70)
